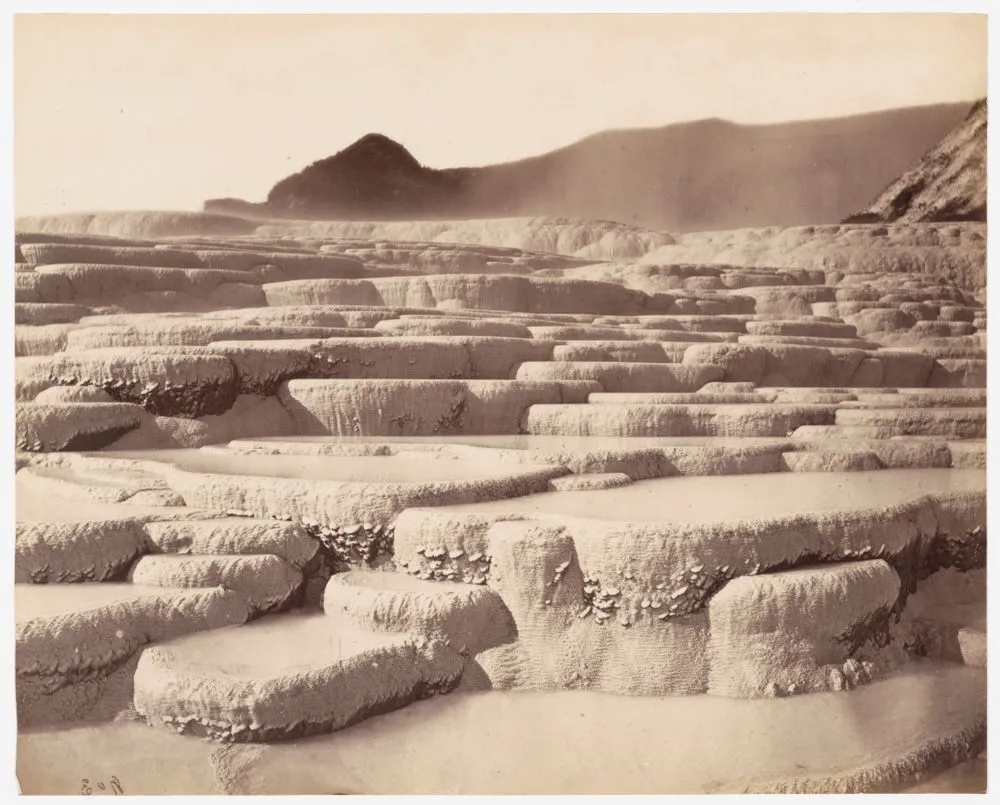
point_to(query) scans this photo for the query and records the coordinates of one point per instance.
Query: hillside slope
(947, 184)
(707, 174)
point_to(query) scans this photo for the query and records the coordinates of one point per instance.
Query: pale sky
(118, 112)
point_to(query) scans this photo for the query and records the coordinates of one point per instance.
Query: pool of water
(402, 468)
(38, 600)
(711, 498)
(543, 743)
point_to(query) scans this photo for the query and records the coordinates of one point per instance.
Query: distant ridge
(702, 175)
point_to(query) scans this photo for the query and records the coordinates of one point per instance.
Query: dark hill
(373, 177)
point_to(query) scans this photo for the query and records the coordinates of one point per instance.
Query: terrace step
(801, 327)
(963, 423)
(831, 461)
(808, 341)
(613, 376)
(468, 617)
(287, 676)
(49, 427)
(781, 633)
(422, 407)
(589, 480)
(234, 535)
(525, 294)
(970, 454)
(696, 324)
(624, 351)
(675, 420)
(266, 581)
(85, 550)
(71, 638)
(921, 398)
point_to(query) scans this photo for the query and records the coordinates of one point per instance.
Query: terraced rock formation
(953, 252)
(274, 487)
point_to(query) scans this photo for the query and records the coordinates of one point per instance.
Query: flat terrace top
(50, 600)
(522, 441)
(416, 468)
(275, 646)
(719, 498)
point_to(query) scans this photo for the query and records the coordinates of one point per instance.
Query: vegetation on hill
(948, 183)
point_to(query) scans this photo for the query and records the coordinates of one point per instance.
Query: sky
(115, 112)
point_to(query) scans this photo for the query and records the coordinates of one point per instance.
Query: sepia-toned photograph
(499, 403)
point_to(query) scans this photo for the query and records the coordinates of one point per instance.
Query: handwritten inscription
(112, 786)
